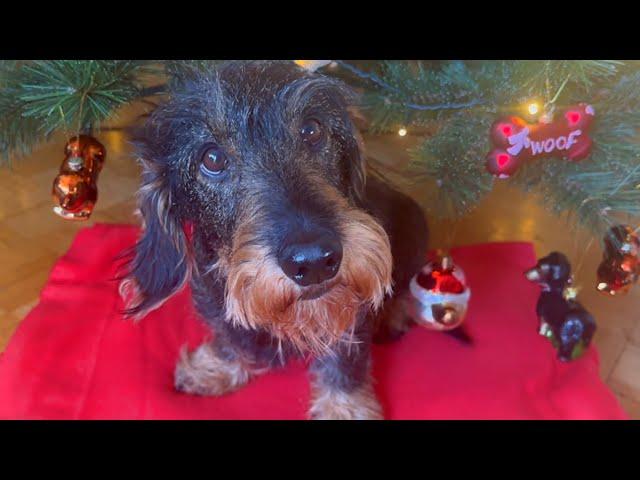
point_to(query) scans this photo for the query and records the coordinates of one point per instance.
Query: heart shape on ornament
(502, 159)
(573, 117)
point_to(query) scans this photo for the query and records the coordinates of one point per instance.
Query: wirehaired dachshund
(255, 191)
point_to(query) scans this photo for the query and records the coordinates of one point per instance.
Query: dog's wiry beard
(259, 295)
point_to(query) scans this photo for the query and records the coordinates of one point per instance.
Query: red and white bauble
(440, 295)
(516, 141)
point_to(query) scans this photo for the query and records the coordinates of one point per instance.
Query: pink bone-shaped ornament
(515, 141)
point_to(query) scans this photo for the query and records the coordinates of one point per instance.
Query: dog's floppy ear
(161, 259)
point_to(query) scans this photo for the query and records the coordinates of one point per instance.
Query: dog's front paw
(333, 404)
(202, 372)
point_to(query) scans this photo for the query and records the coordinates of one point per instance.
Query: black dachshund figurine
(564, 321)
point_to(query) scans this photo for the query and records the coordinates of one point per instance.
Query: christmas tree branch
(366, 75)
(449, 161)
(412, 105)
(39, 97)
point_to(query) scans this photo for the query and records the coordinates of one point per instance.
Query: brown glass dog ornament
(75, 189)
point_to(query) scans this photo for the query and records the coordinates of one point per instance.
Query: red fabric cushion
(74, 357)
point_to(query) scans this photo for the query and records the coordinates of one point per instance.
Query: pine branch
(542, 78)
(589, 191)
(74, 94)
(623, 95)
(448, 161)
(39, 97)
(406, 93)
(18, 134)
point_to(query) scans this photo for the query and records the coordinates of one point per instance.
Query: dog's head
(552, 272)
(263, 160)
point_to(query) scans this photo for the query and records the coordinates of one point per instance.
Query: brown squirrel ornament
(75, 189)
(620, 266)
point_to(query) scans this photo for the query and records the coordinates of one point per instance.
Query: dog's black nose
(313, 262)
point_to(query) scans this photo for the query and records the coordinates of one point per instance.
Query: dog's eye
(214, 160)
(311, 132)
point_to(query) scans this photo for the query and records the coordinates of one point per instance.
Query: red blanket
(74, 357)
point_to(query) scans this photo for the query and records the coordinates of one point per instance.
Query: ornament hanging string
(82, 128)
(450, 235)
(547, 85)
(553, 100)
(65, 128)
(580, 252)
(582, 255)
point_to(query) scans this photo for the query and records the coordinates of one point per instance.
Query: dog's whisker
(280, 353)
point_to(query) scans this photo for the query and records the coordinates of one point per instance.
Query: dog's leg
(342, 387)
(333, 403)
(212, 370)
